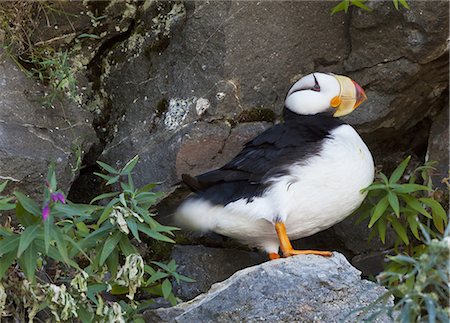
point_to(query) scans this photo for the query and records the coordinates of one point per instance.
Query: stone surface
(297, 289)
(32, 136)
(208, 266)
(438, 148)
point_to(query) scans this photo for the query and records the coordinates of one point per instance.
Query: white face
(312, 94)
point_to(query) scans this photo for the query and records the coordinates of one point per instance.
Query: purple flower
(58, 196)
(45, 212)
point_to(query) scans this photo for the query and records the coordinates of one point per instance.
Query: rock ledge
(297, 289)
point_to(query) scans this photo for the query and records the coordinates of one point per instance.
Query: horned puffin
(299, 177)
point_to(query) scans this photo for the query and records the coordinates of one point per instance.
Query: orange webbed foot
(286, 246)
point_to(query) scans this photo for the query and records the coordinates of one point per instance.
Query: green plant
(421, 287)
(53, 68)
(345, 4)
(417, 275)
(403, 206)
(82, 261)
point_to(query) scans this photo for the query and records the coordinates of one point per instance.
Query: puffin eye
(316, 87)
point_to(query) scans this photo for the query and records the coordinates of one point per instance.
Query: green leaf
(408, 188)
(415, 205)
(412, 221)
(93, 290)
(166, 288)
(62, 247)
(105, 177)
(131, 223)
(27, 236)
(126, 247)
(379, 210)
(89, 36)
(384, 178)
(148, 187)
(103, 196)
(341, 6)
(153, 234)
(393, 201)
(360, 4)
(118, 290)
(109, 246)
(108, 168)
(9, 244)
(3, 185)
(375, 186)
(28, 204)
(398, 172)
(28, 262)
(84, 315)
(47, 232)
(96, 235)
(400, 230)
(405, 4)
(112, 261)
(6, 261)
(381, 225)
(395, 4)
(82, 227)
(436, 208)
(130, 165)
(438, 223)
(122, 200)
(113, 180)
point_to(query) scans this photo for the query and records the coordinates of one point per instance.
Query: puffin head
(320, 92)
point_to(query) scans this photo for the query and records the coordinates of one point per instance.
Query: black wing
(266, 156)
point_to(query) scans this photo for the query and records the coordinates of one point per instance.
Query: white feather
(317, 194)
(306, 102)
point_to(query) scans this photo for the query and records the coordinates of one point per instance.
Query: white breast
(317, 194)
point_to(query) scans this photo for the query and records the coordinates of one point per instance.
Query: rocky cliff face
(185, 83)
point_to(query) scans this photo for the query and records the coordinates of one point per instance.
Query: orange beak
(350, 97)
(360, 95)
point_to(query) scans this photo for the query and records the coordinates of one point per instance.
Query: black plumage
(265, 157)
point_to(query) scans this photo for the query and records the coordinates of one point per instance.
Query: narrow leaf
(436, 208)
(113, 180)
(109, 246)
(379, 210)
(415, 205)
(400, 230)
(408, 188)
(9, 244)
(153, 234)
(381, 225)
(108, 168)
(393, 201)
(130, 165)
(28, 262)
(361, 5)
(398, 172)
(103, 196)
(405, 4)
(27, 236)
(3, 185)
(28, 204)
(412, 221)
(131, 223)
(166, 288)
(6, 261)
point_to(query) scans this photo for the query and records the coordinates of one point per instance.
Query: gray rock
(208, 266)
(297, 289)
(438, 148)
(32, 136)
